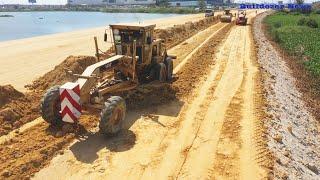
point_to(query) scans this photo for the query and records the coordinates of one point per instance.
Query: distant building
(183, 3)
(215, 2)
(195, 3)
(85, 2)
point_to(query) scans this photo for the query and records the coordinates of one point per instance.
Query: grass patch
(299, 35)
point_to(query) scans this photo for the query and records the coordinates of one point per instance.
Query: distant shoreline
(6, 15)
(156, 9)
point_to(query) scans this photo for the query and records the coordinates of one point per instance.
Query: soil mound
(19, 110)
(58, 76)
(8, 93)
(178, 33)
(146, 95)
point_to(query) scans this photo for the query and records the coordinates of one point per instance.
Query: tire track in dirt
(250, 122)
(227, 154)
(220, 68)
(168, 164)
(199, 159)
(223, 59)
(179, 143)
(229, 127)
(239, 143)
(193, 45)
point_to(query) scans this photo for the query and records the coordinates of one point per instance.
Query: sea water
(31, 24)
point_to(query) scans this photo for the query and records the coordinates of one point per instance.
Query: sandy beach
(23, 60)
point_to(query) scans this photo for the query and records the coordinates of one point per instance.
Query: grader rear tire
(50, 106)
(169, 64)
(112, 116)
(162, 72)
(154, 73)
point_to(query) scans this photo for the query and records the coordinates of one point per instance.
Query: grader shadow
(87, 148)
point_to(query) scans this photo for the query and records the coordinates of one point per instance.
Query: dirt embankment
(77, 64)
(18, 110)
(8, 93)
(178, 33)
(292, 131)
(307, 83)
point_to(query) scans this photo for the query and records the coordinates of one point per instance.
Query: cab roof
(133, 26)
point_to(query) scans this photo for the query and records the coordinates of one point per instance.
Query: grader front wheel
(50, 106)
(112, 116)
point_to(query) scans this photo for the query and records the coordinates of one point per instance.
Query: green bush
(312, 23)
(317, 11)
(277, 24)
(294, 33)
(275, 35)
(295, 13)
(302, 21)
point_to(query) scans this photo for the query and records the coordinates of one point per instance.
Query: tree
(164, 3)
(299, 1)
(202, 4)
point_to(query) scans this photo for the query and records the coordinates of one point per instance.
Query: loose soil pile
(178, 33)
(16, 108)
(147, 95)
(8, 93)
(58, 76)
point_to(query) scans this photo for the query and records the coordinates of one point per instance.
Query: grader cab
(139, 58)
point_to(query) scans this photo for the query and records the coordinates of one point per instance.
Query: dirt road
(210, 133)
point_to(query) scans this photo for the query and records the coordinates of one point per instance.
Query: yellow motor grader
(139, 58)
(226, 17)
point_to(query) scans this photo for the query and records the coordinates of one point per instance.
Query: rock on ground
(293, 137)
